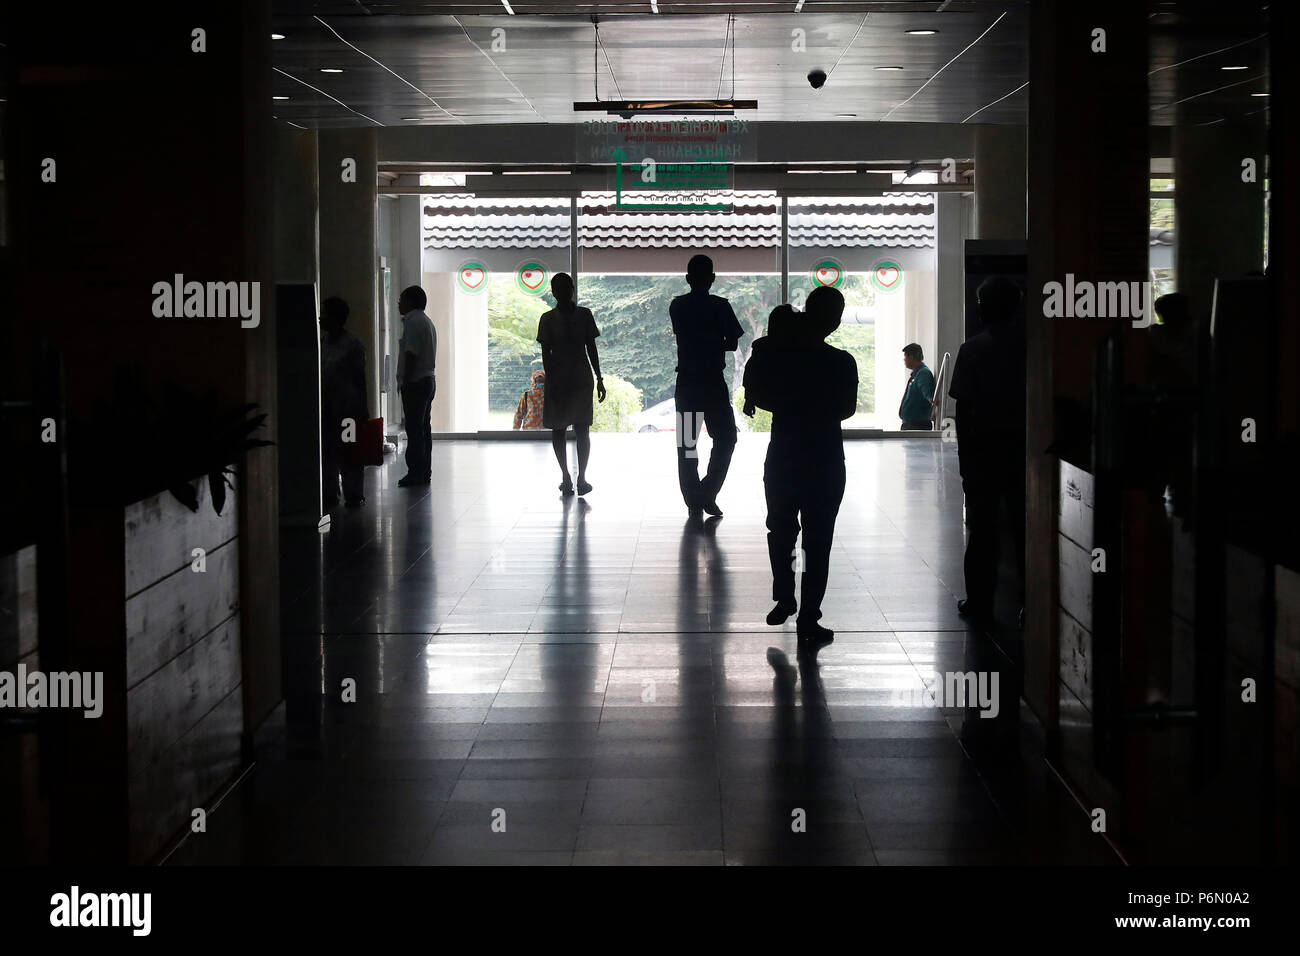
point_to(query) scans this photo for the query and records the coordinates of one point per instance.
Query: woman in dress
(567, 334)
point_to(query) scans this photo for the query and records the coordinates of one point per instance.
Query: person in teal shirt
(916, 408)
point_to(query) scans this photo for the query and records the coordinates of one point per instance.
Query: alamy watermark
(978, 689)
(179, 299)
(61, 689)
(1098, 300)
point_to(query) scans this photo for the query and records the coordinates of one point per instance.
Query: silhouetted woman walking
(567, 335)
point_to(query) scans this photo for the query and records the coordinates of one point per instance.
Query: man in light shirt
(417, 352)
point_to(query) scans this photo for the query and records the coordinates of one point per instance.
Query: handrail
(936, 411)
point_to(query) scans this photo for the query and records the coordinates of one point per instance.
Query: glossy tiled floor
(556, 681)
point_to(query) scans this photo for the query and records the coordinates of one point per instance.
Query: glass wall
(488, 264)
(632, 264)
(879, 253)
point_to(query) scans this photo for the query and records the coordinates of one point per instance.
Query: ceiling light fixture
(411, 119)
(279, 97)
(1234, 68)
(1259, 94)
(920, 33)
(330, 69)
(277, 36)
(888, 68)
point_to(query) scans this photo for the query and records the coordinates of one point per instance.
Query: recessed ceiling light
(889, 68)
(277, 36)
(1234, 68)
(411, 119)
(279, 97)
(1259, 94)
(920, 33)
(330, 69)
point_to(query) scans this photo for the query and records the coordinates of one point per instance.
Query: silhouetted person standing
(418, 351)
(915, 410)
(988, 384)
(809, 387)
(706, 329)
(567, 334)
(342, 396)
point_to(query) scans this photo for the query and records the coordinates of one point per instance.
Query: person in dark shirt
(706, 329)
(809, 387)
(988, 384)
(343, 396)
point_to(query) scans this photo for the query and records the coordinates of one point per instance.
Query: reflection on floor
(553, 681)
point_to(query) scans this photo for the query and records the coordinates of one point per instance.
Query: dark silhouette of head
(333, 314)
(562, 290)
(998, 298)
(412, 298)
(1174, 310)
(699, 273)
(824, 308)
(913, 356)
(782, 322)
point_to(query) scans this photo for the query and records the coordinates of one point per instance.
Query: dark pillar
(1087, 216)
(161, 165)
(1000, 182)
(349, 251)
(1218, 218)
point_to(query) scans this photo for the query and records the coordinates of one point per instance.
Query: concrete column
(950, 278)
(1000, 200)
(1088, 181)
(297, 238)
(891, 376)
(349, 257)
(1218, 219)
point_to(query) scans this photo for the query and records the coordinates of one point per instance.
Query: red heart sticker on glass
(887, 276)
(472, 277)
(532, 278)
(828, 275)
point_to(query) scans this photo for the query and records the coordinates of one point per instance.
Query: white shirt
(420, 339)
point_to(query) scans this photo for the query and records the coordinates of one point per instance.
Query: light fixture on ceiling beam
(1234, 68)
(629, 108)
(920, 33)
(330, 69)
(277, 36)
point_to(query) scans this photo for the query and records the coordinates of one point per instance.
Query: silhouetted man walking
(988, 384)
(706, 329)
(809, 387)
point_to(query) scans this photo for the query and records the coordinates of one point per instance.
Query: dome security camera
(817, 79)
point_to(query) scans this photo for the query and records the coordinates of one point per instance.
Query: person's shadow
(804, 776)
